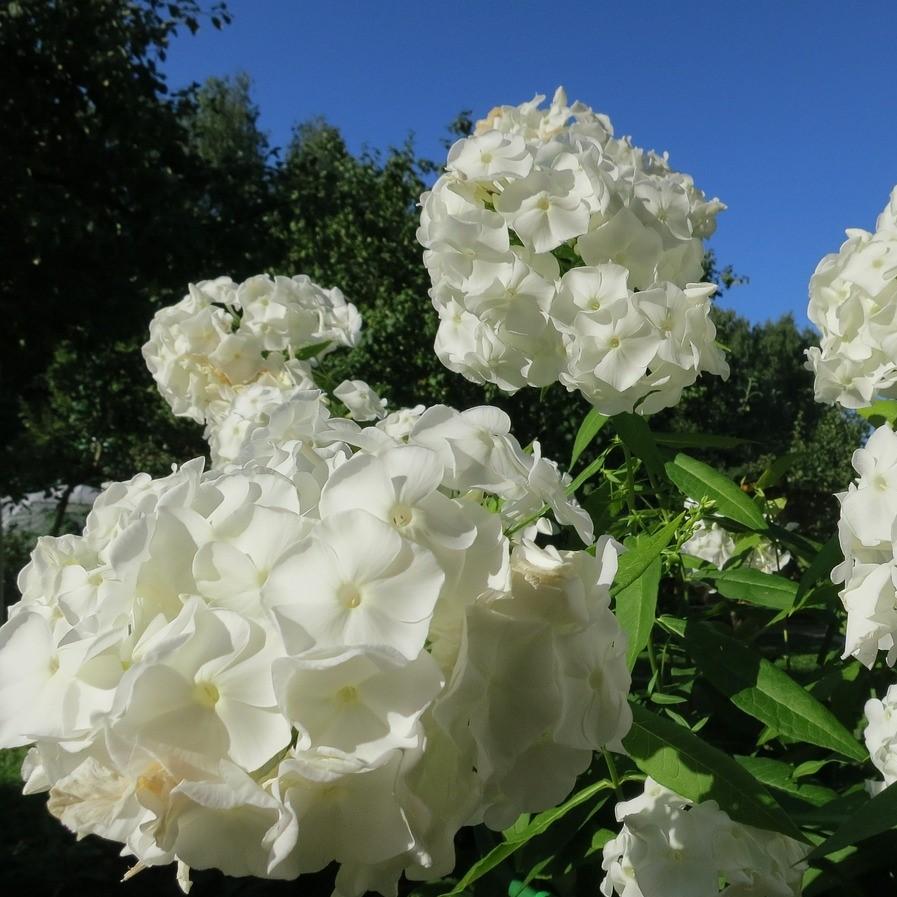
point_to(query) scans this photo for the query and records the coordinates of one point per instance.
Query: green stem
(612, 770)
(652, 659)
(630, 481)
(531, 519)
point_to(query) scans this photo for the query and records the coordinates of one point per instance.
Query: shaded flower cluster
(881, 738)
(560, 252)
(341, 646)
(672, 847)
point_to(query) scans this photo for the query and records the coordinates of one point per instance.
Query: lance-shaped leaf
(757, 587)
(636, 435)
(877, 815)
(699, 440)
(878, 413)
(702, 483)
(588, 430)
(763, 691)
(635, 608)
(634, 562)
(516, 838)
(683, 762)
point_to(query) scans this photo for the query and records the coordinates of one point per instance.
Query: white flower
(361, 400)
(362, 701)
(357, 582)
(540, 240)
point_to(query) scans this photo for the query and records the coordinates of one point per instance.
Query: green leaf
(826, 559)
(878, 413)
(586, 474)
(701, 482)
(635, 562)
(757, 587)
(636, 435)
(778, 775)
(588, 430)
(877, 815)
(635, 609)
(777, 469)
(763, 691)
(311, 351)
(683, 762)
(699, 440)
(673, 625)
(516, 838)
(797, 544)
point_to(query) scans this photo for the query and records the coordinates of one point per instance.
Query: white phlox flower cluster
(671, 847)
(223, 337)
(881, 738)
(866, 530)
(853, 302)
(713, 543)
(327, 650)
(560, 252)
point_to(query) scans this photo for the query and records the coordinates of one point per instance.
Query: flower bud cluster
(672, 847)
(223, 337)
(866, 530)
(853, 302)
(560, 252)
(328, 650)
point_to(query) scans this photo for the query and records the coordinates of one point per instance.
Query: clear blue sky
(785, 110)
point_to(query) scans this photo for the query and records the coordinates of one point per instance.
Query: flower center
(348, 694)
(349, 595)
(543, 203)
(614, 342)
(206, 694)
(401, 515)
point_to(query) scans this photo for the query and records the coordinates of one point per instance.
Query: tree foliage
(125, 193)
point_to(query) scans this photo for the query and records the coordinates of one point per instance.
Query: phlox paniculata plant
(356, 630)
(558, 251)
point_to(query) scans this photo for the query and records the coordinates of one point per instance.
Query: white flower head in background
(337, 645)
(223, 337)
(717, 546)
(672, 847)
(557, 251)
(853, 302)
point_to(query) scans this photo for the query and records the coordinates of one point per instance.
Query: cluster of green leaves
(739, 691)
